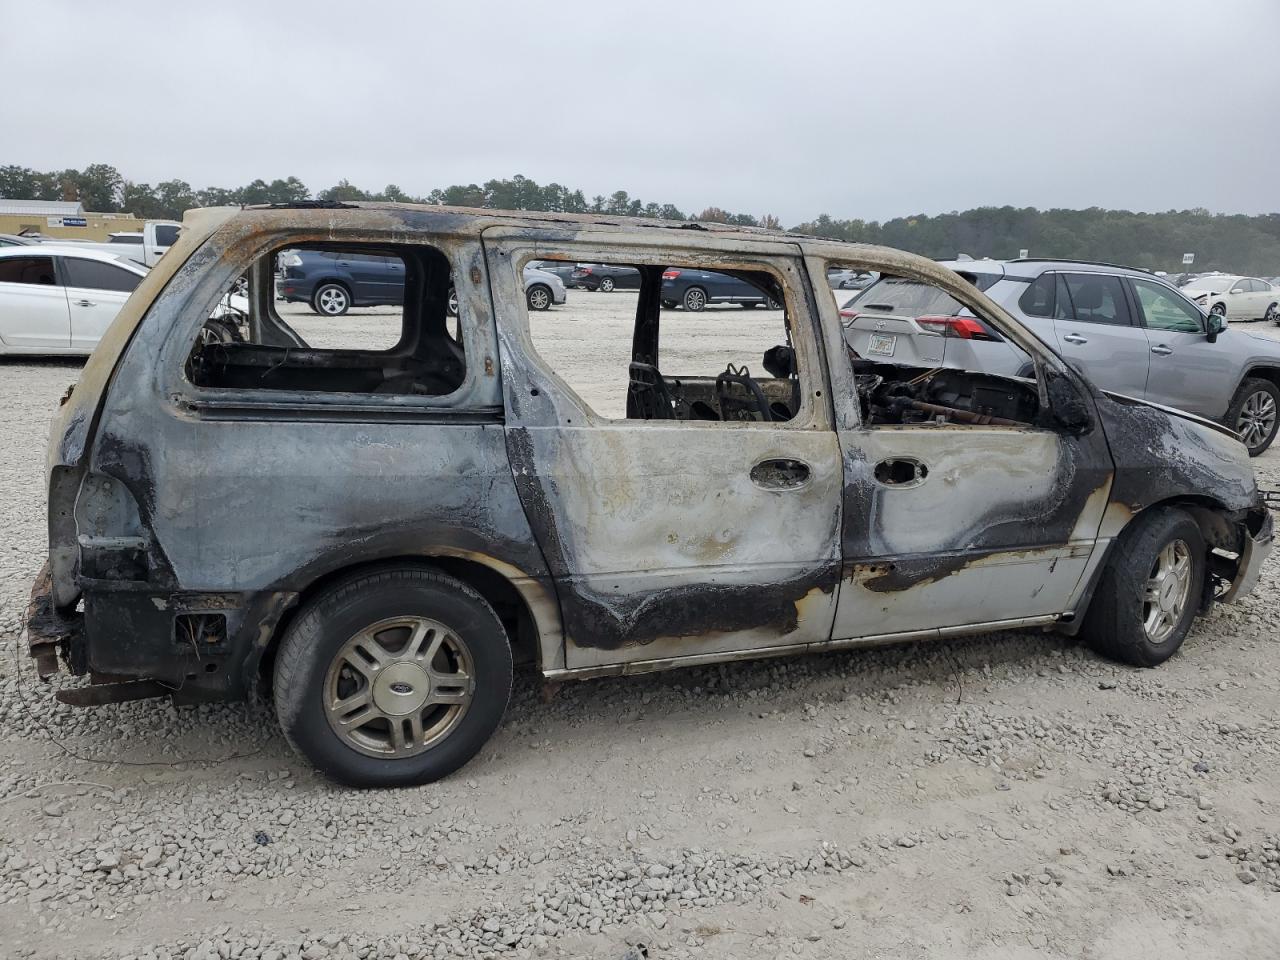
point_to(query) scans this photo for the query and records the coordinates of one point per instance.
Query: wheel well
(1271, 374)
(1211, 516)
(497, 590)
(334, 281)
(534, 286)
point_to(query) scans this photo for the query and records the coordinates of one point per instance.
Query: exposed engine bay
(893, 394)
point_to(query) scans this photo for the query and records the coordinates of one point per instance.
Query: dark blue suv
(334, 281)
(694, 289)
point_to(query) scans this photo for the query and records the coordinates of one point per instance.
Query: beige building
(64, 219)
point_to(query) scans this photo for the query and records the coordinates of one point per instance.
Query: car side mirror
(1214, 324)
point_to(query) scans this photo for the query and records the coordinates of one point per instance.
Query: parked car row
(606, 277)
(334, 281)
(146, 246)
(1129, 331)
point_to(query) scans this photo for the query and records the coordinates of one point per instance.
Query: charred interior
(893, 394)
(246, 346)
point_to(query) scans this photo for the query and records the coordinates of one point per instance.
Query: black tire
(1249, 412)
(606, 285)
(1273, 313)
(451, 305)
(539, 297)
(1115, 625)
(750, 305)
(670, 304)
(331, 300)
(1219, 308)
(695, 299)
(773, 304)
(220, 330)
(325, 624)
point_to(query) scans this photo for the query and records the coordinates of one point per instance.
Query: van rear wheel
(393, 677)
(1150, 589)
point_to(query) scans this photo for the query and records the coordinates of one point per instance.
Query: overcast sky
(868, 109)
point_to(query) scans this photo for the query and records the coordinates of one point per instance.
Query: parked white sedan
(58, 299)
(1236, 298)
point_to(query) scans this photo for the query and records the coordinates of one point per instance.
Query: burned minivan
(371, 517)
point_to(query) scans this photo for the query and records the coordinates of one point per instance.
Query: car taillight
(960, 328)
(670, 274)
(848, 316)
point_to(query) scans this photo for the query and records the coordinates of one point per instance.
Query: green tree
(342, 190)
(141, 201)
(23, 183)
(97, 187)
(175, 198)
(217, 197)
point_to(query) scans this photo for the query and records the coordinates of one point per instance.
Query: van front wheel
(1150, 589)
(393, 677)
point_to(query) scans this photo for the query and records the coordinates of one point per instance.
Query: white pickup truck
(144, 247)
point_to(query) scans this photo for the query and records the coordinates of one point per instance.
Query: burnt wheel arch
(512, 608)
(1211, 516)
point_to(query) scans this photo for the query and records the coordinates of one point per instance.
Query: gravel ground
(997, 797)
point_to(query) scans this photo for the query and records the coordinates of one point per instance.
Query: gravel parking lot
(997, 797)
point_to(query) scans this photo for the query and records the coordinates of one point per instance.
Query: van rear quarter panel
(260, 505)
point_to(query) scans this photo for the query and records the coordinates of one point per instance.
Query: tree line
(1155, 241)
(1248, 244)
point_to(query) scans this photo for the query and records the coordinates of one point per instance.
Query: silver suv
(1128, 331)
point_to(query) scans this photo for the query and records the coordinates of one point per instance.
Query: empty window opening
(349, 318)
(674, 342)
(920, 356)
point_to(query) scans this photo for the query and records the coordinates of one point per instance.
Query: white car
(1236, 298)
(60, 299)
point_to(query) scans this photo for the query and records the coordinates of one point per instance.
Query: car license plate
(882, 344)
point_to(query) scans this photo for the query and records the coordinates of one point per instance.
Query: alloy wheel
(399, 687)
(695, 299)
(539, 299)
(1257, 418)
(606, 284)
(333, 301)
(1168, 591)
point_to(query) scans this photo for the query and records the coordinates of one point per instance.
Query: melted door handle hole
(780, 474)
(901, 472)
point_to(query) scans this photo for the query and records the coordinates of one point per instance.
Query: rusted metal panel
(49, 632)
(263, 502)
